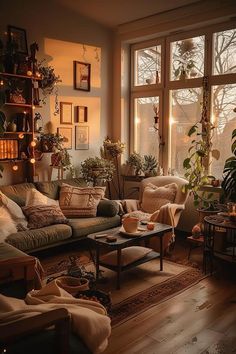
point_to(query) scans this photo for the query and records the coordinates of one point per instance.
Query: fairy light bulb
(33, 107)
(15, 167)
(21, 136)
(1, 83)
(33, 143)
(32, 160)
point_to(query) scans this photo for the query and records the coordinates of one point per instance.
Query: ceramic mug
(130, 224)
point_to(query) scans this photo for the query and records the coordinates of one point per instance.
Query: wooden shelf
(17, 133)
(21, 76)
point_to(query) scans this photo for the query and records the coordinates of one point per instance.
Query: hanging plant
(229, 173)
(48, 84)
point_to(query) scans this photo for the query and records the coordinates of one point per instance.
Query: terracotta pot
(130, 224)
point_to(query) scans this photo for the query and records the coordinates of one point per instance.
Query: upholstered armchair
(161, 199)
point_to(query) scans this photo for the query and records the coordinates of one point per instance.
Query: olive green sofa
(33, 240)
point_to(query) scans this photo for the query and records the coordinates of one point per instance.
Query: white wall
(64, 36)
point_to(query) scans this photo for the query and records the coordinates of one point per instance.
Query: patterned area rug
(141, 288)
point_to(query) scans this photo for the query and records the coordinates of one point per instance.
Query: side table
(218, 227)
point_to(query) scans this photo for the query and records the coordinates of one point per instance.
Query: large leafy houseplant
(199, 154)
(229, 173)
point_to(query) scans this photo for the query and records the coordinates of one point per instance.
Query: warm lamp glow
(32, 160)
(15, 167)
(29, 73)
(137, 120)
(33, 143)
(21, 136)
(33, 107)
(172, 121)
(1, 83)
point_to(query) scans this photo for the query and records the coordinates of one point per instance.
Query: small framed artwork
(67, 134)
(18, 36)
(82, 76)
(81, 114)
(65, 112)
(81, 138)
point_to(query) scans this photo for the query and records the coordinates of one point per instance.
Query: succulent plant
(150, 164)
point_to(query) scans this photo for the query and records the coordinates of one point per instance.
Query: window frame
(164, 88)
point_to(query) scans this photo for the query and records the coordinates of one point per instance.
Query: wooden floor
(202, 319)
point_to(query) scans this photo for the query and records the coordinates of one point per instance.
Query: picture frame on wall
(81, 114)
(67, 134)
(81, 137)
(18, 35)
(82, 72)
(65, 112)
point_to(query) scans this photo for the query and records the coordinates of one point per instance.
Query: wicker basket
(72, 285)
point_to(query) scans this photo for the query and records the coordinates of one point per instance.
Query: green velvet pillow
(107, 208)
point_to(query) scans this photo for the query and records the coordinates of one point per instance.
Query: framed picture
(81, 138)
(82, 76)
(67, 134)
(81, 114)
(18, 35)
(65, 112)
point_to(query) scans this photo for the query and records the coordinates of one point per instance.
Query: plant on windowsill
(229, 174)
(150, 165)
(135, 161)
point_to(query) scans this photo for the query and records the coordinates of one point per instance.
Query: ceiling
(111, 13)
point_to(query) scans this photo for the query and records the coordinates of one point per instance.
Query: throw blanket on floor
(89, 318)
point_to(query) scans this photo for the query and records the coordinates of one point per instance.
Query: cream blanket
(89, 319)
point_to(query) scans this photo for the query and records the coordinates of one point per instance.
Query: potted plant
(229, 174)
(135, 161)
(186, 50)
(150, 165)
(97, 170)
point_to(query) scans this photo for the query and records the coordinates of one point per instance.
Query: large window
(169, 72)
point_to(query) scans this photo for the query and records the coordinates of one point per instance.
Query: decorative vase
(130, 224)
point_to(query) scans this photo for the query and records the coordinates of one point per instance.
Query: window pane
(148, 65)
(185, 112)
(224, 53)
(187, 58)
(224, 118)
(146, 138)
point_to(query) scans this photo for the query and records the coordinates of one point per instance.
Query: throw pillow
(155, 197)
(34, 197)
(77, 202)
(128, 255)
(43, 215)
(14, 210)
(7, 225)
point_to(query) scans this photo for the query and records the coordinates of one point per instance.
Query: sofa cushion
(155, 197)
(52, 189)
(7, 225)
(44, 215)
(107, 208)
(29, 240)
(80, 202)
(34, 197)
(17, 192)
(14, 210)
(84, 226)
(128, 255)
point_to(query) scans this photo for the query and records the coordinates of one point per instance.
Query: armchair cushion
(155, 197)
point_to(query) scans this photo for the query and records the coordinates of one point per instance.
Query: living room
(136, 76)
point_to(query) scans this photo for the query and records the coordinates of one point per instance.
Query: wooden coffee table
(124, 242)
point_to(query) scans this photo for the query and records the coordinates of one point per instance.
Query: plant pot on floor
(72, 285)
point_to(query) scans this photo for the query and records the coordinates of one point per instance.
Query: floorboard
(202, 319)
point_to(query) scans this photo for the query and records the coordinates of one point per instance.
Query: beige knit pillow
(77, 202)
(155, 197)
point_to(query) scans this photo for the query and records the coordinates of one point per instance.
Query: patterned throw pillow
(43, 215)
(155, 197)
(77, 202)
